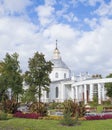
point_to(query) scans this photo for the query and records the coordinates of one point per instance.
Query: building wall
(61, 74)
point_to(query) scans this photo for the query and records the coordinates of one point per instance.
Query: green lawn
(32, 124)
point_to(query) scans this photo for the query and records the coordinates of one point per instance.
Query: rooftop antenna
(56, 44)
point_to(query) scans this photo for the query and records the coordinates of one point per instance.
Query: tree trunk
(39, 94)
(17, 98)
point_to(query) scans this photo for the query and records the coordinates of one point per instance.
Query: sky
(82, 28)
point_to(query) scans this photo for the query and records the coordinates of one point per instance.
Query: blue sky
(83, 29)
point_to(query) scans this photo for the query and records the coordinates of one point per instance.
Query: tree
(108, 87)
(11, 77)
(38, 75)
(29, 95)
(3, 85)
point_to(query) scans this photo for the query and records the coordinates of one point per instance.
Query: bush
(38, 108)
(3, 116)
(108, 102)
(10, 106)
(81, 109)
(74, 108)
(55, 105)
(70, 106)
(67, 119)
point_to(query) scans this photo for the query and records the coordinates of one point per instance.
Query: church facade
(79, 88)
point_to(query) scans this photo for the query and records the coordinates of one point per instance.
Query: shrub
(10, 106)
(74, 108)
(70, 106)
(108, 102)
(67, 119)
(38, 108)
(9, 116)
(95, 100)
(81, 109)
(3, 116)
(55, 105)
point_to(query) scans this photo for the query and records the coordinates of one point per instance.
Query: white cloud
(87, 51)
(17, 35)
(94, 49)
(63, 10)
(50, 2)
(45, 14)
(105, 9)
(82, 51)
(70, 17)
(13, 6)
(93, 2)
(61, 31)
(93, 23)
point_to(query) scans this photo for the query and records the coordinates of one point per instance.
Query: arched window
(64, 75)
(56, 75)
(57, 92)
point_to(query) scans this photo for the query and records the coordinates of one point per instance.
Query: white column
(103, 92)
(99, 93)
(85, 94)
(76, 91)
(91, 92)
(81, 93)
(72, 92)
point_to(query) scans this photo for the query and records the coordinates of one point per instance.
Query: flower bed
(99, 116)
(53, 117)
(27, 115)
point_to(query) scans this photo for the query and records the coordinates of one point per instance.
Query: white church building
(79, 88)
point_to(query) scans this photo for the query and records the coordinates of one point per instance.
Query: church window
(56, 75)
(57, 92)
(64, 75)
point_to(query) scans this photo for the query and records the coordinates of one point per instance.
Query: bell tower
(60, 69)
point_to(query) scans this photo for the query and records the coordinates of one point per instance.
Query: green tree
(11, 77)
(3, 83)
(108, 87)
(29, 95)
(3, 88)
(38, 74)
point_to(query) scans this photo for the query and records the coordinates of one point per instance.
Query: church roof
(57, 61)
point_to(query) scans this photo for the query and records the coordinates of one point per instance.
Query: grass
(33, 124)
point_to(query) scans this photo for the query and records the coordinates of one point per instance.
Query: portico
(90, 88)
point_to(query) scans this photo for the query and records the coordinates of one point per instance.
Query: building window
(47, 94)
(57, 92)
(64, 75)
(56, 75)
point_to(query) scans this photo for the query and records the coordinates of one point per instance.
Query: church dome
(58, 63)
